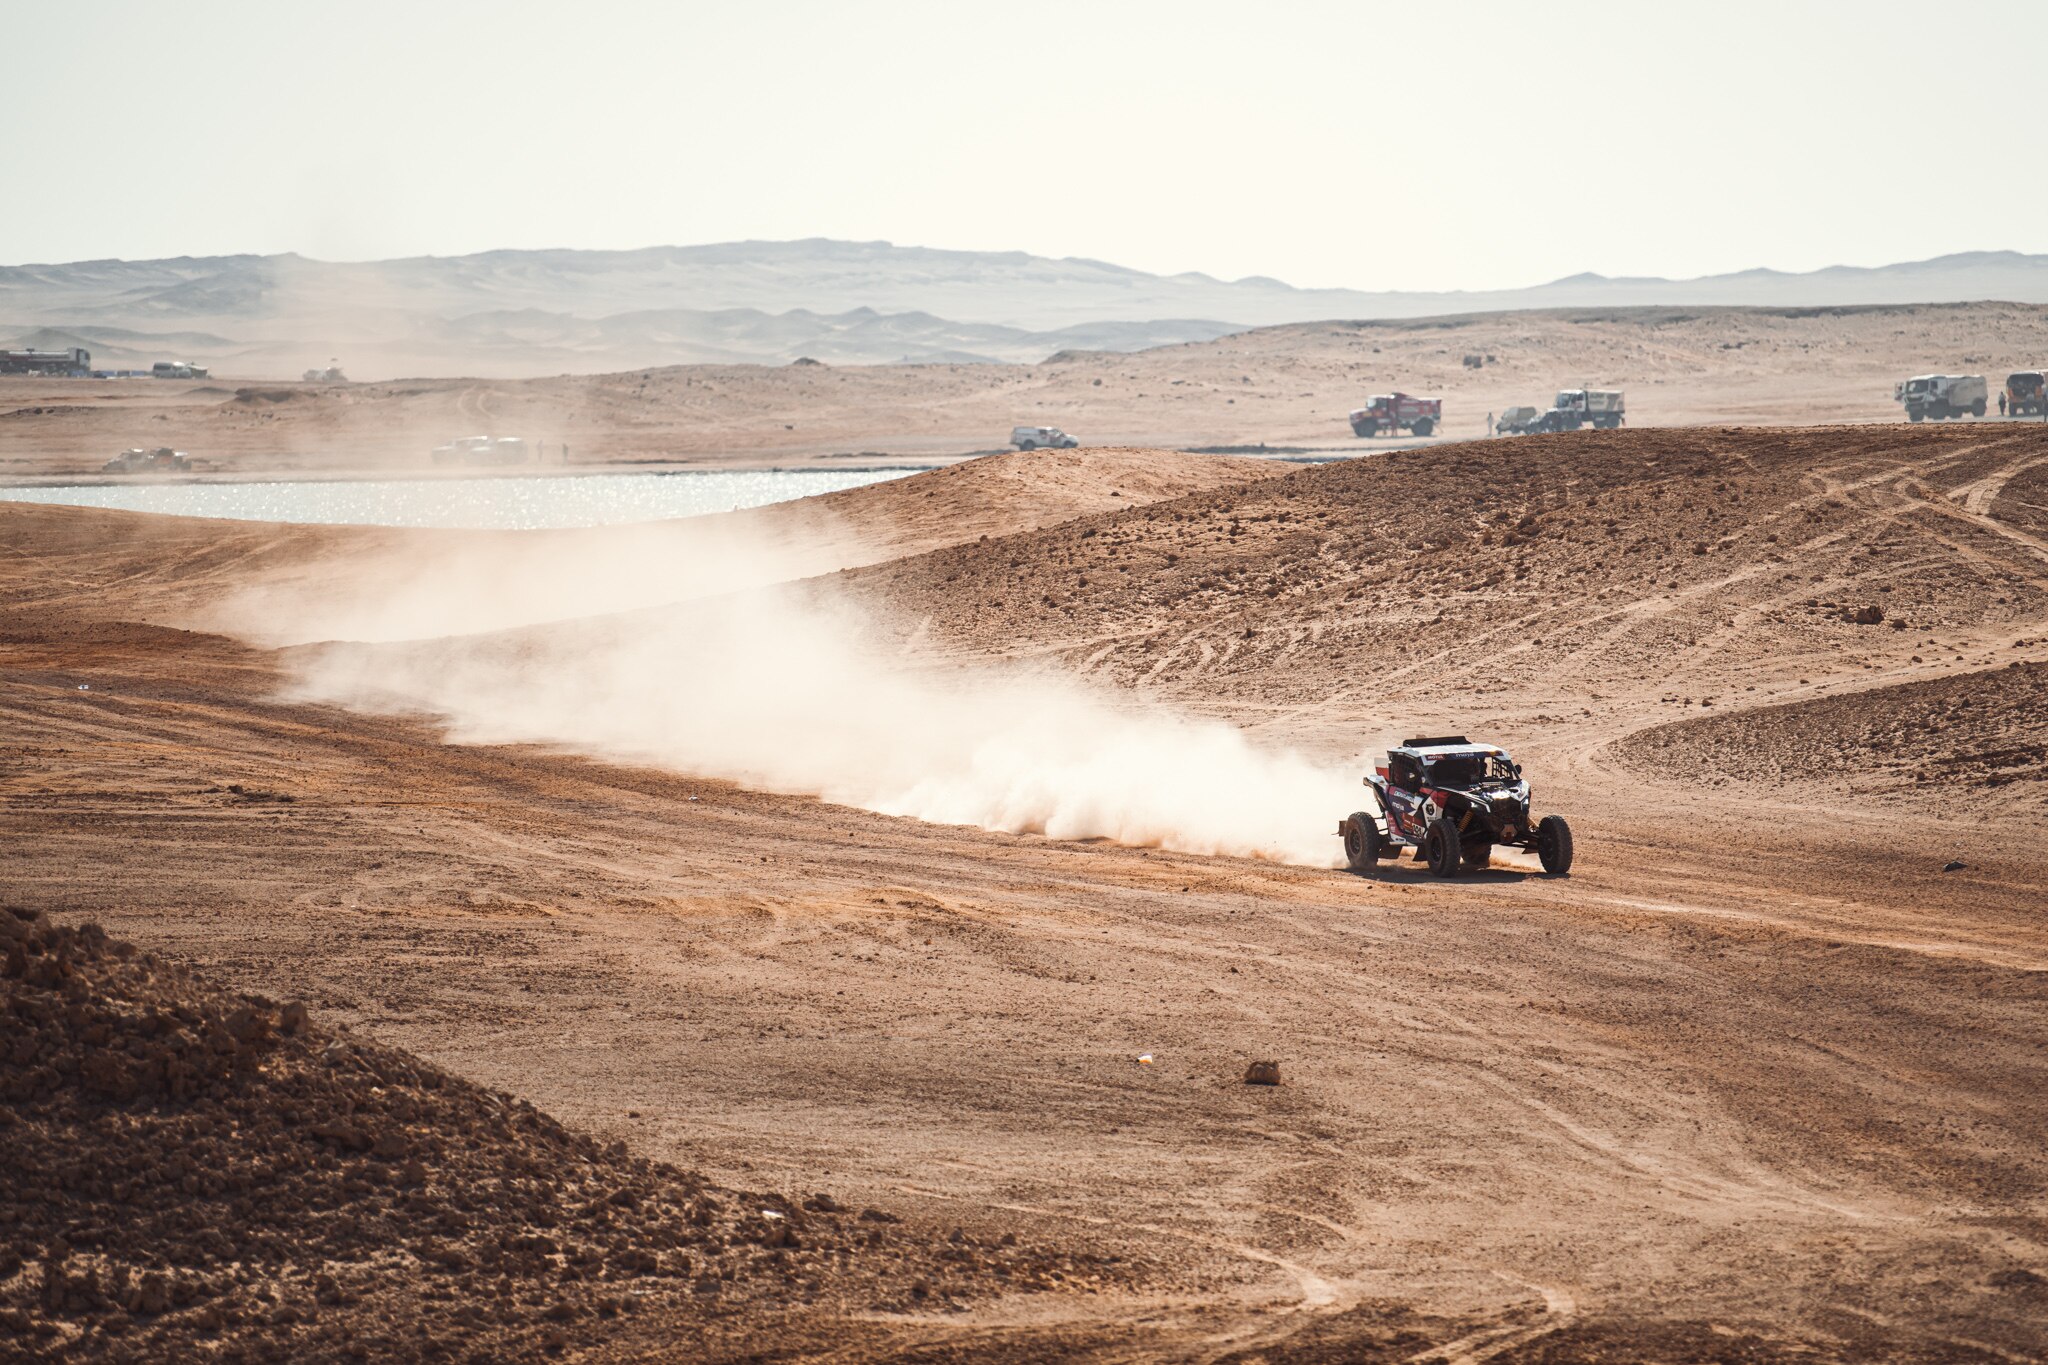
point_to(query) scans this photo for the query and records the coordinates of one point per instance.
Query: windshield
(1919, 385)
(1470, 770)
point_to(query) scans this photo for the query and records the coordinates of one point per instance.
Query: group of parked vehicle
(1942, 396)
(1936, 396)
(1390, 414)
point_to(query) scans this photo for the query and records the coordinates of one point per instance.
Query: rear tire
(1440, 844)
(1424, 426)
(1554, 844)
(1977, 408)
(1363, 842)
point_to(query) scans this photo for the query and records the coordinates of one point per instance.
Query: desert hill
(1666, 561)
(1281, 388)
(522, 313)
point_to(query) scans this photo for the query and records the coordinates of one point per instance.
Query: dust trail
(794, 689)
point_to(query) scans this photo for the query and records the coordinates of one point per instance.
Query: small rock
(1262, 1073)
(1954, 865)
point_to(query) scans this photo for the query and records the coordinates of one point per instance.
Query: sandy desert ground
(1765, 1077)
(1286, 387)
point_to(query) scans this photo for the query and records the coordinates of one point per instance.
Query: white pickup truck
(1031, 438)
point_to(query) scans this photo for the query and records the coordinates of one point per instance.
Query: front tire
(1027, 445)
(1554, 844)
(1363, 842)
(1366, 429)
(1440, 844)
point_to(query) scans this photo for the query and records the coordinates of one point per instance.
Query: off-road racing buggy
(1451, 801)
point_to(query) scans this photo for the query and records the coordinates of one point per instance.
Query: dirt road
(1758, 1078)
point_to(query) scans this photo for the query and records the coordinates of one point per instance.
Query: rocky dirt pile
(194, 1172)
(1973, 730)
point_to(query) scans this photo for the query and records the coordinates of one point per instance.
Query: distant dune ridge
(518, 313)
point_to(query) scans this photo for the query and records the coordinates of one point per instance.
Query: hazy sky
(1459, 145)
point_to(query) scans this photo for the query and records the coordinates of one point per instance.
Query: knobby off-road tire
(1424, 426)
(1977, 408)
(1363, 843)
(1554, 844)
(1440, 845)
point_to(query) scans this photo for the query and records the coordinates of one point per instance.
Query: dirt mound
(110, 565)
(1981, 729)
(187, 1166)
(1624, 558)
(996, 495)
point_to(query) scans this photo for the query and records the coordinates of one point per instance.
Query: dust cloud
(794, 688)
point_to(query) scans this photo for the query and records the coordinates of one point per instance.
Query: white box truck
(1942, 395)
(1602, 408)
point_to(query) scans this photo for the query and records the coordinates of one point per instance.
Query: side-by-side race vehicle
(1451, 801)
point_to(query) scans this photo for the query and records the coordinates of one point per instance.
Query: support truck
(2026, 393)
(1942, 396)
(1393, 413)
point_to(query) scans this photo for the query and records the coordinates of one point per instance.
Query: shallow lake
(507, 503)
